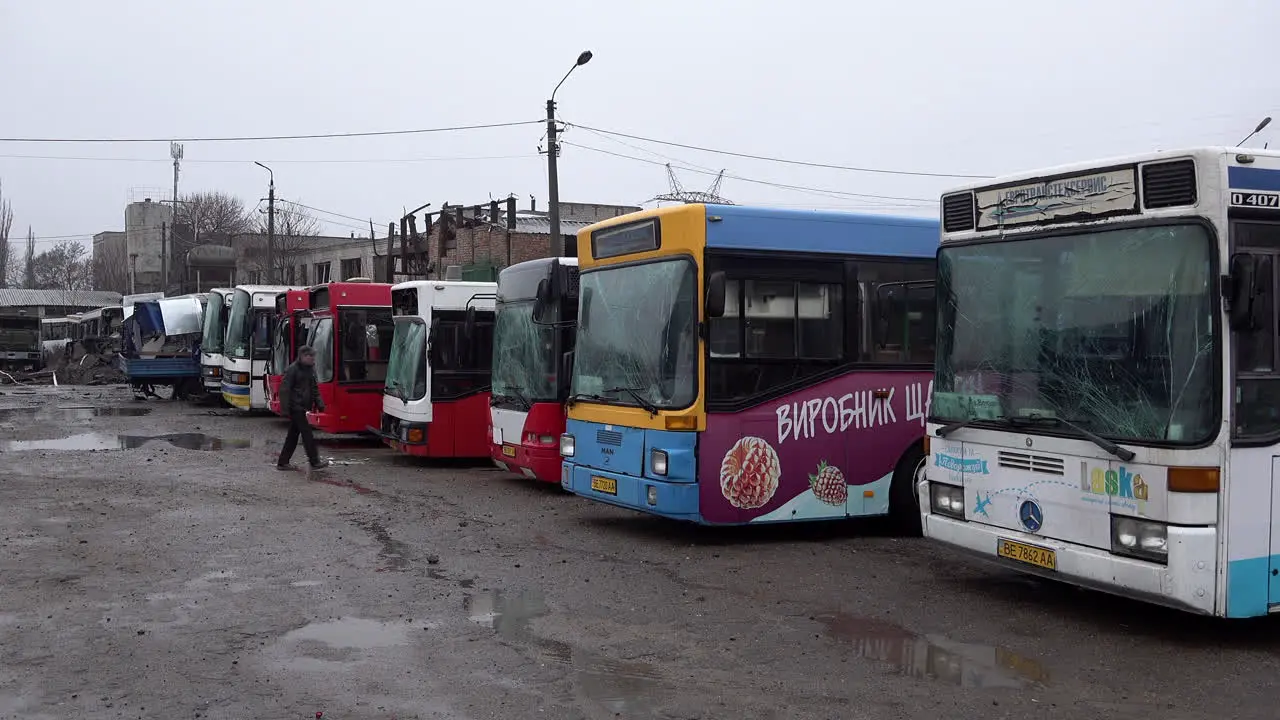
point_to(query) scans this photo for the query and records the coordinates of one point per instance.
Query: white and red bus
(435, 400)
(531, 343)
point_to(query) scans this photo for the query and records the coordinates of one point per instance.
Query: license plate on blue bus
(605, 485)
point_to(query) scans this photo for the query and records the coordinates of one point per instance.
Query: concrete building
(145, 225)
(111, 261)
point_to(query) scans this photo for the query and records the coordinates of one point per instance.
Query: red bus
(290, 333)
(351, 332)
(530, 376)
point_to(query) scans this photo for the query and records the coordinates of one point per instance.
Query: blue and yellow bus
(738, 364)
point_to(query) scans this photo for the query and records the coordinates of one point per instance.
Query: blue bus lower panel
(676, 500)
(159, 368)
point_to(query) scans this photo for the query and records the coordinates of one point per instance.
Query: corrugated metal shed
(21, 297)
(542, 226)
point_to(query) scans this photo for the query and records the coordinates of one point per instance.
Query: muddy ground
(154, 564)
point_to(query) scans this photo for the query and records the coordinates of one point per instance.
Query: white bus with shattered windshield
(1106, 401)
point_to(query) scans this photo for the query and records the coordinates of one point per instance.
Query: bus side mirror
(542, 302)
(469, 327)
(566, 365)
(584, 310)
(715, 295)
(1241, 292)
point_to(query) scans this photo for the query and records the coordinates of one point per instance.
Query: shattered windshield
(1109, 330)
(321, 342)
(637, 337)
(238, 326)
(214, 314)
(406, 376)
(523, 366)
(280, 348)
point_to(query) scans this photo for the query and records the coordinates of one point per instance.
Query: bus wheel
(904, 502)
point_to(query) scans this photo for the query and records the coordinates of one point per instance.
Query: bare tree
(295, 230)
(64, 267)
(210, 215)
(8, 259)
(29, 262)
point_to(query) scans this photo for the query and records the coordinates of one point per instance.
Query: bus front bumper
(535, 462)
(1188, 582)
(236, 395)
(674, 500)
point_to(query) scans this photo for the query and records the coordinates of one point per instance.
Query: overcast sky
(980, 87)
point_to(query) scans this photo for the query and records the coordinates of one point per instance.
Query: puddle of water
(352, 632)
(106, 441)
(619, 686)
(931, 657)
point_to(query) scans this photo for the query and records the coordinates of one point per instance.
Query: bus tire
(904, 502)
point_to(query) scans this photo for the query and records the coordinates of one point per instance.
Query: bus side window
(725, 334)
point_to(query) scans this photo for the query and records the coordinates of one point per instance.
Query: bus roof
(335, 294)
(744, 227)
(821, 232)
(274, 289)
(1200, 153)
(451, 294)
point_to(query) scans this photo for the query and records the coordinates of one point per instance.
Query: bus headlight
(1141, 539)
(946, 500)
(567, 445)
(658, 461)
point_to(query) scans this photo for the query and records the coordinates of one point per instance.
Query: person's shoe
(321, 465)
(286, 467)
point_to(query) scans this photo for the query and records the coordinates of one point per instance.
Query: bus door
(1253, 543)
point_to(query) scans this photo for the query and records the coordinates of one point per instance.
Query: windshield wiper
(517, 395)
(949, 428)
(569, 401)
(1053, 421)
(640, 399)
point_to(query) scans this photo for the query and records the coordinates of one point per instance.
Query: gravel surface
(154, 564)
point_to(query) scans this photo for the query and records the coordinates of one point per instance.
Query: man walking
(299, 393)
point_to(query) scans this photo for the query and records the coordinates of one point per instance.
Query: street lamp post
(553, 149)
(271, 223)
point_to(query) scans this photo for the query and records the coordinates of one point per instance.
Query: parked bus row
(1068, 374)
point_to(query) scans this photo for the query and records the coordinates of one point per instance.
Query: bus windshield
(406, 376)
(280, 349)
(1109, 330)
(523, 366)
(214, 327)
(238, 325)
(637, 335)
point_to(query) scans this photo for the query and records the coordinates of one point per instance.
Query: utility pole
(271, 224)
(175, 152)
(164, 256)
(553, 180)
(553, 149)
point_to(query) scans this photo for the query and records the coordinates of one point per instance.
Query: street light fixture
(553, 149)
(271, 223)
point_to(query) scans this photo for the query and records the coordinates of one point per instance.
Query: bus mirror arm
(1240, 289)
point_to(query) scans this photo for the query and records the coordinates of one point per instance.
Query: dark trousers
(298, 426)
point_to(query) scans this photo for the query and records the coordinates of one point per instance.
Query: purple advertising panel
(828, 451)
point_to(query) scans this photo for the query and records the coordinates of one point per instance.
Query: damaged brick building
(479, 240)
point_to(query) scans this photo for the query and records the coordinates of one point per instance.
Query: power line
(802, 188)
(326, 212)
(309, 160)
(767, 158)
(250, 138)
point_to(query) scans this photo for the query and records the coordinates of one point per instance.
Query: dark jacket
(299, 390)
